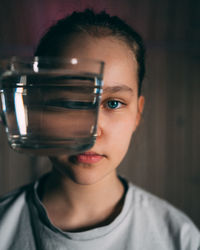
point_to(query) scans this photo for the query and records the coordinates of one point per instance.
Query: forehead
(120, 62)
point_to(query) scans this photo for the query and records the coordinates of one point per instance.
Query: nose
(100, 125)
(99, 132)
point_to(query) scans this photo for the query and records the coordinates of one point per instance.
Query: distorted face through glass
(51, 104)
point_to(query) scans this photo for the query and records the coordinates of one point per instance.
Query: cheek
(120, 131)
(122, 123)
(121, 135)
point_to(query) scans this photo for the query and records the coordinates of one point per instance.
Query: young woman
(82, 203)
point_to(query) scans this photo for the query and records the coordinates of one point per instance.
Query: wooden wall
(164, 154)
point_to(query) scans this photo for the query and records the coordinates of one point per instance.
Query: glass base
(50, 147)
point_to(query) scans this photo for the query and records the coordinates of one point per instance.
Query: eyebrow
(117, 88)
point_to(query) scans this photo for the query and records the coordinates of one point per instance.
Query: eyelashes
(110, 104)
(113, 104)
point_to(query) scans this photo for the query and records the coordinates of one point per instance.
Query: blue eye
(113, 104)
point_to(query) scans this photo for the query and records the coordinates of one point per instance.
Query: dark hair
(96, 25)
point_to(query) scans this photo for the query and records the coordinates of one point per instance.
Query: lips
(89, 157)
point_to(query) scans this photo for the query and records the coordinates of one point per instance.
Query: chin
(82, 174)
(86, 176)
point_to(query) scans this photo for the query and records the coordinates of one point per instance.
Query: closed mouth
(89, 157)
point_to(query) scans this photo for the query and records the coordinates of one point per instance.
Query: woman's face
(119, 112)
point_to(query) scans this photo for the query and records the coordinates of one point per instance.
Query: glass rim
(47, 60)
(72, 60)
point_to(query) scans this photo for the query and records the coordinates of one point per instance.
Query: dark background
(164, 156)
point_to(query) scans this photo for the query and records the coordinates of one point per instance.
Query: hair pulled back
(96, 25)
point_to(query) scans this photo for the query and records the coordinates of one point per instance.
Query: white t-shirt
(145, 223)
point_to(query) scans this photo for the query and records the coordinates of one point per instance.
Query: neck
(72, 206)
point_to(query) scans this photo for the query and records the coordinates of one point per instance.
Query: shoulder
(14, 217)
(160, 217)
(155, 206)
(14, 200)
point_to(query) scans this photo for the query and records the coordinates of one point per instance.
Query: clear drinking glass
(50, 105)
